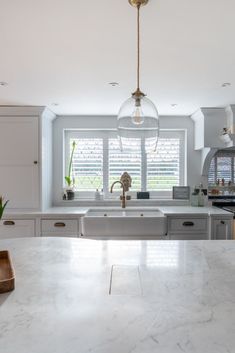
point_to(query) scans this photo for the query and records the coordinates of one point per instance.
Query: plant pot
(70, 194)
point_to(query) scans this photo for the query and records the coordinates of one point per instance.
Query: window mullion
(143, 166)
(66, 156)
(106, 166)
(216, 177)
(232, 169)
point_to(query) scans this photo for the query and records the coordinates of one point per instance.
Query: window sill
(116, 202)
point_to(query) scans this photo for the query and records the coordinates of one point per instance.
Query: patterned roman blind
(87, 168)
(163, 166)
(128, 161)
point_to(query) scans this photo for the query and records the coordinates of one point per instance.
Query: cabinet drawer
(188, 225)
(59, 227)
(16, 228)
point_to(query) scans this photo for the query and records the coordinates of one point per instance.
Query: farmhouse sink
(123, 223)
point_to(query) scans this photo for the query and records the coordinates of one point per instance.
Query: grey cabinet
(26, 157)
(19, 168)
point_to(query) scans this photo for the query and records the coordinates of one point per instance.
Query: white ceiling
(66, 52)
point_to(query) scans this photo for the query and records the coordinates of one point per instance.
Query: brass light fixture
(138, 116)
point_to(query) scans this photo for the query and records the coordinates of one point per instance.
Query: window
(98, 162)
(222, 167)
(127, 161)
(163, 167)
(87, 163)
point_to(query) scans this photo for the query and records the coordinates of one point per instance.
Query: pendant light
(138, 116)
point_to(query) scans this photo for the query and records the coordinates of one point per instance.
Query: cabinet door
(19, 170)
(17, 228)
(221, 229)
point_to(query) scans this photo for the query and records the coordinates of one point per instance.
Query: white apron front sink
(122, 223)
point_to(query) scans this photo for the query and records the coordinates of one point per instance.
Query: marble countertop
(176, 210)
(87, 296)
(74, 212)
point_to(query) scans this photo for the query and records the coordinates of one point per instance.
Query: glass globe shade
(138, 119)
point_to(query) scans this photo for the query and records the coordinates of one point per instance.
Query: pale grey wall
(193, 158)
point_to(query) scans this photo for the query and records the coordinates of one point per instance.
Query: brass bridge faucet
(123, 197)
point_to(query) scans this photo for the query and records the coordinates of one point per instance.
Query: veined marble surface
(166, 297)
(75, 212)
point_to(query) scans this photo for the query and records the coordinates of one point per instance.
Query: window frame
(111, 133)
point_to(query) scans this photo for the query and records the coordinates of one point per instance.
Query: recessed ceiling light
(3, 83)
(226, 84)
(113, 84)
(55, 104)
(174, 105)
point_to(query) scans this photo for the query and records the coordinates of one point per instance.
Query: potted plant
(68, 178)
(2, 206)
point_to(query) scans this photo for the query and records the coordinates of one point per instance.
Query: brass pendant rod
(138, 46)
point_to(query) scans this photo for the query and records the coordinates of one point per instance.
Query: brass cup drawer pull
(59, 224)
(188, 224)
(8, 223)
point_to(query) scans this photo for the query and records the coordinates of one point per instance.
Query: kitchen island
(81, 296)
